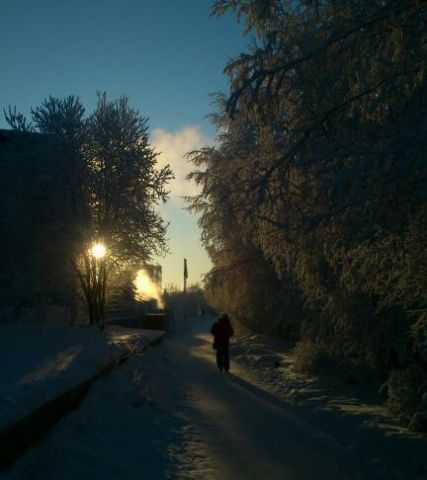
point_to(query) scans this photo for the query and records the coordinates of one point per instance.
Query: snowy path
(168, 414)
(239, 431)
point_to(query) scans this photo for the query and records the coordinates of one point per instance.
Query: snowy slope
(345, 405)
(40, 362)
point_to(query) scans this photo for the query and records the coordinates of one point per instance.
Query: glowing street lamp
(97, 278)
(98, 250)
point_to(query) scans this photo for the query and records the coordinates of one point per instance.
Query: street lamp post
(99, 277)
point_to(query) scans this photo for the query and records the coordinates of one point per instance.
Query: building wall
(34, 270)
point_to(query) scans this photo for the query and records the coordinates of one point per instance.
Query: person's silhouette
(222, 332)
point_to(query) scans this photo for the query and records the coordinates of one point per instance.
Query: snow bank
(351, 414)
(38, 363)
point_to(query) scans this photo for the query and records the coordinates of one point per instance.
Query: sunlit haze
(145, 288)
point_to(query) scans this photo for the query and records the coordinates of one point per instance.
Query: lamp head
(98, 250)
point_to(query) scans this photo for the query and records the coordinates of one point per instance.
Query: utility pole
(185, 275)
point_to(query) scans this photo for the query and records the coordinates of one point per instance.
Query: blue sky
(167, 56)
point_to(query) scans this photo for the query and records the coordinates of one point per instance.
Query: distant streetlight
(98, 250)
(96, 275)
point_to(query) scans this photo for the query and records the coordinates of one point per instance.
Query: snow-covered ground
(40, 362)
(344, 405)
(169, 414)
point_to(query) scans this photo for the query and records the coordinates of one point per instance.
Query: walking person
(222, 332)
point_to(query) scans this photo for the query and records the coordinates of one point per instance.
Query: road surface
(169, 414)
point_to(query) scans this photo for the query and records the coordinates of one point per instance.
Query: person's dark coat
(222, 332)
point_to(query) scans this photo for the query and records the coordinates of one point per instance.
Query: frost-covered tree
(320, 167)
(242, 281)
(112, 187)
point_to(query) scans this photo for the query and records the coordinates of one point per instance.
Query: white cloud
(172, 147)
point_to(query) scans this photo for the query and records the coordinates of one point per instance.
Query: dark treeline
(183, 304)
(313, 203)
